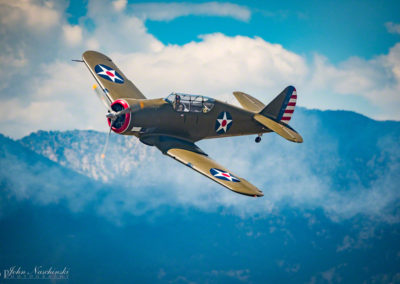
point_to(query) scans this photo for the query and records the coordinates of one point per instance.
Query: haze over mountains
(330, 211)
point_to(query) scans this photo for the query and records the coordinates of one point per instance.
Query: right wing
(192, 156)
(110, 77)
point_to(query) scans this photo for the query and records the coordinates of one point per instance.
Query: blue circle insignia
(108, 73)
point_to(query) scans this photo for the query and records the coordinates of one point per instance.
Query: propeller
(102, 96)
(103, 153)
(112, 115)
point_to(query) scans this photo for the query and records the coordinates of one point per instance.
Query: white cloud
(376, 80)
(56, 103)
(217, 65)
(30, 36)
(34, 15)
(18, 61)
(392, 27)
(72, 34)
(119, 5)
(118, 31)
(170, 11)
(92, 44)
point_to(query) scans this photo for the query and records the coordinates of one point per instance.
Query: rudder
(282, 107)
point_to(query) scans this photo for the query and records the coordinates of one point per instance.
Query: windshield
(190, 103)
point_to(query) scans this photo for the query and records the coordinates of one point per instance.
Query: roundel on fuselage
(223, 123)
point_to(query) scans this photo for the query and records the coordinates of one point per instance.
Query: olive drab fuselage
(160, 117)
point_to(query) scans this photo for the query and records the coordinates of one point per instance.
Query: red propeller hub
(121, 124)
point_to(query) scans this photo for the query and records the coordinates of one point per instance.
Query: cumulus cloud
(118, 31)
(170, 11)
(28, 28)
(34, 15)
(216, 66)
(377, 80)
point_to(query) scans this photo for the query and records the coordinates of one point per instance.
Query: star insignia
(108, 73)
(224, 122)
(223, 175)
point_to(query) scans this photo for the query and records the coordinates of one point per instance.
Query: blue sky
(338, 54)
(337, 29)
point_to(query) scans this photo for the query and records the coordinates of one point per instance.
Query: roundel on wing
(108, 73)
(223, 122)
(223, 175)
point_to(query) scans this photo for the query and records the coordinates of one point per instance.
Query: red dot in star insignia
(225, 175)
(223, 123)
(110, 74)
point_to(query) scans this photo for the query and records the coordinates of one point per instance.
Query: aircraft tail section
(277, 114)
(282, 107)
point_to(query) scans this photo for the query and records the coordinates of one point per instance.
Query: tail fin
(282, 107)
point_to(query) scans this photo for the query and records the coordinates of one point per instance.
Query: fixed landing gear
(258, 138)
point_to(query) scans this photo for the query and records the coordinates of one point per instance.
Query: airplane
(173, 124)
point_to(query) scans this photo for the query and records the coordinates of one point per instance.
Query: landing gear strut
(258, 138)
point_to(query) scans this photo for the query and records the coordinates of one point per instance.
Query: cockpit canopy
(190, 103)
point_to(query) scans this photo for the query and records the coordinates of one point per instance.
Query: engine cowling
(121, 124)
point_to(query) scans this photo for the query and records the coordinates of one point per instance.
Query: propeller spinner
(114, 116)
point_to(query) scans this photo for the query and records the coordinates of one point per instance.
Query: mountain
(343, 152)
(340, 138)
(80, 151)
(330, 213)
(28, 176)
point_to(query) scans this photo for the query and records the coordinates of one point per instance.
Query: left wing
(192, 156)
(110, 78)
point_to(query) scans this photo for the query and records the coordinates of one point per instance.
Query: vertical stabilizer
(282, 107)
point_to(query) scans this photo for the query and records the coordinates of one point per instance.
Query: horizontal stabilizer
(248, 102)
(284, 131)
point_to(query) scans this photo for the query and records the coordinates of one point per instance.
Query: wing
(192, 156)
(110, 77)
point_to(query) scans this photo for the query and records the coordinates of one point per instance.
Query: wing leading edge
(192, 156)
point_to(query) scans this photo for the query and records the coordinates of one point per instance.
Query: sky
(338, 54)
